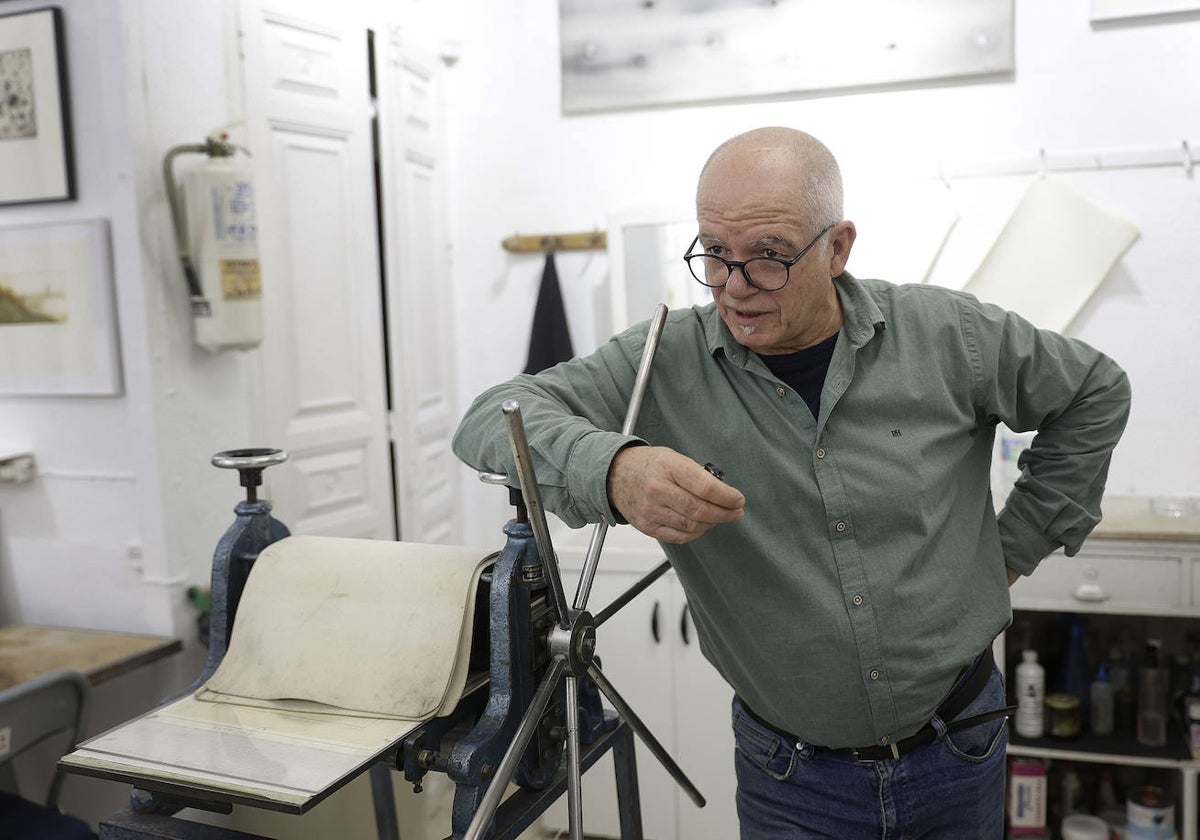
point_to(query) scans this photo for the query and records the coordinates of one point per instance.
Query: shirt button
(781, 392)
(874, 674)
(841, 526)
(857, 600)
(820, 453)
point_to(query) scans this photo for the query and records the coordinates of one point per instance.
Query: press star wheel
(571, 639)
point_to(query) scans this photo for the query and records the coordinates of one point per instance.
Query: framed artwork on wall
(35, 126)
(58, 325)
(1105, 11)
(618, 54)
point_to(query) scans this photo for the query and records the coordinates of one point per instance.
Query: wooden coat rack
(532, 243)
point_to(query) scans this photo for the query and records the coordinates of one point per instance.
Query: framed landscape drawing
(58, 326)
(35, 127)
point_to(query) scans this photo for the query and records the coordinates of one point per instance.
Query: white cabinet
(649, 652)
(1128, 577)
(1126, 571)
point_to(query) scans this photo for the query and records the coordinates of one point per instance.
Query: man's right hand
(669, 496)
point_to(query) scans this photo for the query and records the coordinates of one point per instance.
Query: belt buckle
(892, 746)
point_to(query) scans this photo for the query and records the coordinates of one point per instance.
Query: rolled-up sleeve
(1076, 399)
(572, 413)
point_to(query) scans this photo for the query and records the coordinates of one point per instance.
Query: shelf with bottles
(1119, 746)
(1074, 650)
(1044, 791)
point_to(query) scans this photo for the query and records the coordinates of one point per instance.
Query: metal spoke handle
(632, 592)
(647, 737)
(640, 384)
(574, 773)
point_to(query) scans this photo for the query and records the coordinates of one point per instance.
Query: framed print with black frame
(35, 122)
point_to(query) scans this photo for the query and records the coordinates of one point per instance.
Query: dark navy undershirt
(804, 371)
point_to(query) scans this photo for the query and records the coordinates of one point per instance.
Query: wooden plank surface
(27, 650)
(1134, 518)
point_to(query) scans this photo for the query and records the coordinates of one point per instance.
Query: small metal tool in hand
(711, 469)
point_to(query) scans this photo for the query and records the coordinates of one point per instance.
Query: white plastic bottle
(1031, 696)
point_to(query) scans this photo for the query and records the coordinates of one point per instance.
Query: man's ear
(841, 240)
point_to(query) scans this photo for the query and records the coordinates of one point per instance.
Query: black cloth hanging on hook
(549, 339)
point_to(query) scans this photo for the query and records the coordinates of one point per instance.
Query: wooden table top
(27, 650)
(1134, 518)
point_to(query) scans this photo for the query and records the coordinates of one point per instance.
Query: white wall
(519, 166)
(74, 525)
(126, 509)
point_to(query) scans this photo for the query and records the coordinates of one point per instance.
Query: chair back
(38, 709)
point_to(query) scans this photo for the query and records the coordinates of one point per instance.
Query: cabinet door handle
(654, 624)
(683, 624)
(1090, 592)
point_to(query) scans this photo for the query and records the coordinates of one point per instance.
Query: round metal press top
(240, 459)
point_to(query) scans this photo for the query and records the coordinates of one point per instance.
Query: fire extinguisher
(216, 234)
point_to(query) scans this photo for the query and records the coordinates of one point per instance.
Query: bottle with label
(1031, 696)
(1074, 675)
(1102, 703)
(1072, 791)
(1124, 709)
(1106, 792)
(1153, 684)
(1193, 725)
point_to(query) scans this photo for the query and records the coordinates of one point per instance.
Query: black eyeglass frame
(730, 265)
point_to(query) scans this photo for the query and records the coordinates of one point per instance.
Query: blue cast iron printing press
(353, 656)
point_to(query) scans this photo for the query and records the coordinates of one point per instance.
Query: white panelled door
(419, 297)
(321, 395)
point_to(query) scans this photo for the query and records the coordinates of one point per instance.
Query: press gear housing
(216, 234)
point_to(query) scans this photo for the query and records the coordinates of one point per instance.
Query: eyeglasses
(770, 273)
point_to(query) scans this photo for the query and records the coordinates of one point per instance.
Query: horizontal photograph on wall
(641, 53)
(58, 324)
(1107, 11)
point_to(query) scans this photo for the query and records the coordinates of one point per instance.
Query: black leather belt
(948, 711)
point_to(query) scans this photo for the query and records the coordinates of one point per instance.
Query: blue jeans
(952, 789)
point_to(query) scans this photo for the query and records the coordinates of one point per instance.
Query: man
(849, 575)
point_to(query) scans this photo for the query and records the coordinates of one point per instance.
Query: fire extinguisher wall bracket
(216, 232)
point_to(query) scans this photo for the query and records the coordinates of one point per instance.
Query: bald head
(788, 157)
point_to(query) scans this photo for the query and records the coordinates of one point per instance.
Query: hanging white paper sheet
(1053, 253)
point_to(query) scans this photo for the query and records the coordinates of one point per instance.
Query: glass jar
(1064, 718)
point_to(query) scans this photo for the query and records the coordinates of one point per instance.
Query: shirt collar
(862, 320)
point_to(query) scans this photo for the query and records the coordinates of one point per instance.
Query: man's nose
(738, 284)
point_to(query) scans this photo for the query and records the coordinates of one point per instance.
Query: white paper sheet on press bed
(1051, 256)
(279, 759)
(362, 626)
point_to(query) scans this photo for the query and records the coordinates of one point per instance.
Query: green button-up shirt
(869, 568)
